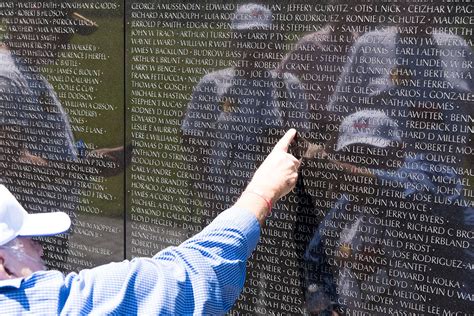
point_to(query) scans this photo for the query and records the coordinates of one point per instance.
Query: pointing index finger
(284, 143)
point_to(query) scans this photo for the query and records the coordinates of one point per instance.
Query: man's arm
(206, 273)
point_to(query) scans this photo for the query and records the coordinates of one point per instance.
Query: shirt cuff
(241, 220)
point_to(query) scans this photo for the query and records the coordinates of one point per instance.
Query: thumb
(285, 141)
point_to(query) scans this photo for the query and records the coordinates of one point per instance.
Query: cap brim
(367, 140)
(251, 26)
(45, 224)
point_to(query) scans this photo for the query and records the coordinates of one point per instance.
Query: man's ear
(4, 275)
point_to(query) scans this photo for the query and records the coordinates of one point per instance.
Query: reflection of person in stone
(319, 58)
(421, 76)
(417, 74)
(331, 286)
(370, 135)
(37, 145)
(233, 111)
(202, 276)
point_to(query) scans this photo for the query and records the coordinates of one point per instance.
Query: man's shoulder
(40, 280)
(39, 294)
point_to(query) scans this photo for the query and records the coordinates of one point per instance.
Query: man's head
(19, 254)
(368, 127)
(20, 258)
(252, 32)
(250, 17)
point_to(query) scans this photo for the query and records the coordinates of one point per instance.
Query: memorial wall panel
(188, 98)
(381, 95)
(61, 91)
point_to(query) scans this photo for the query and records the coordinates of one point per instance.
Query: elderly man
(204, 275)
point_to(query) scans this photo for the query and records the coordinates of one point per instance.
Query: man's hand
(111, 161)
(275, 178)
(277, 175)
(28, 158)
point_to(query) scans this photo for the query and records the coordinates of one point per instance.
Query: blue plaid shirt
(202, 276)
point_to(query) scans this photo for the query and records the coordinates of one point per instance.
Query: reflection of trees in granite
(340, 245)
(232, 121)
(35, 121)
(348, 78)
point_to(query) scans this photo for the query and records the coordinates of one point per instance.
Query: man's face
(22, 257)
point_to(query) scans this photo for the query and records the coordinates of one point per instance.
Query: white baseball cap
(369, 127)
(252, 16)
(16, 222)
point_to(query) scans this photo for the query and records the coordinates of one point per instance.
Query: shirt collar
(11, 283)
